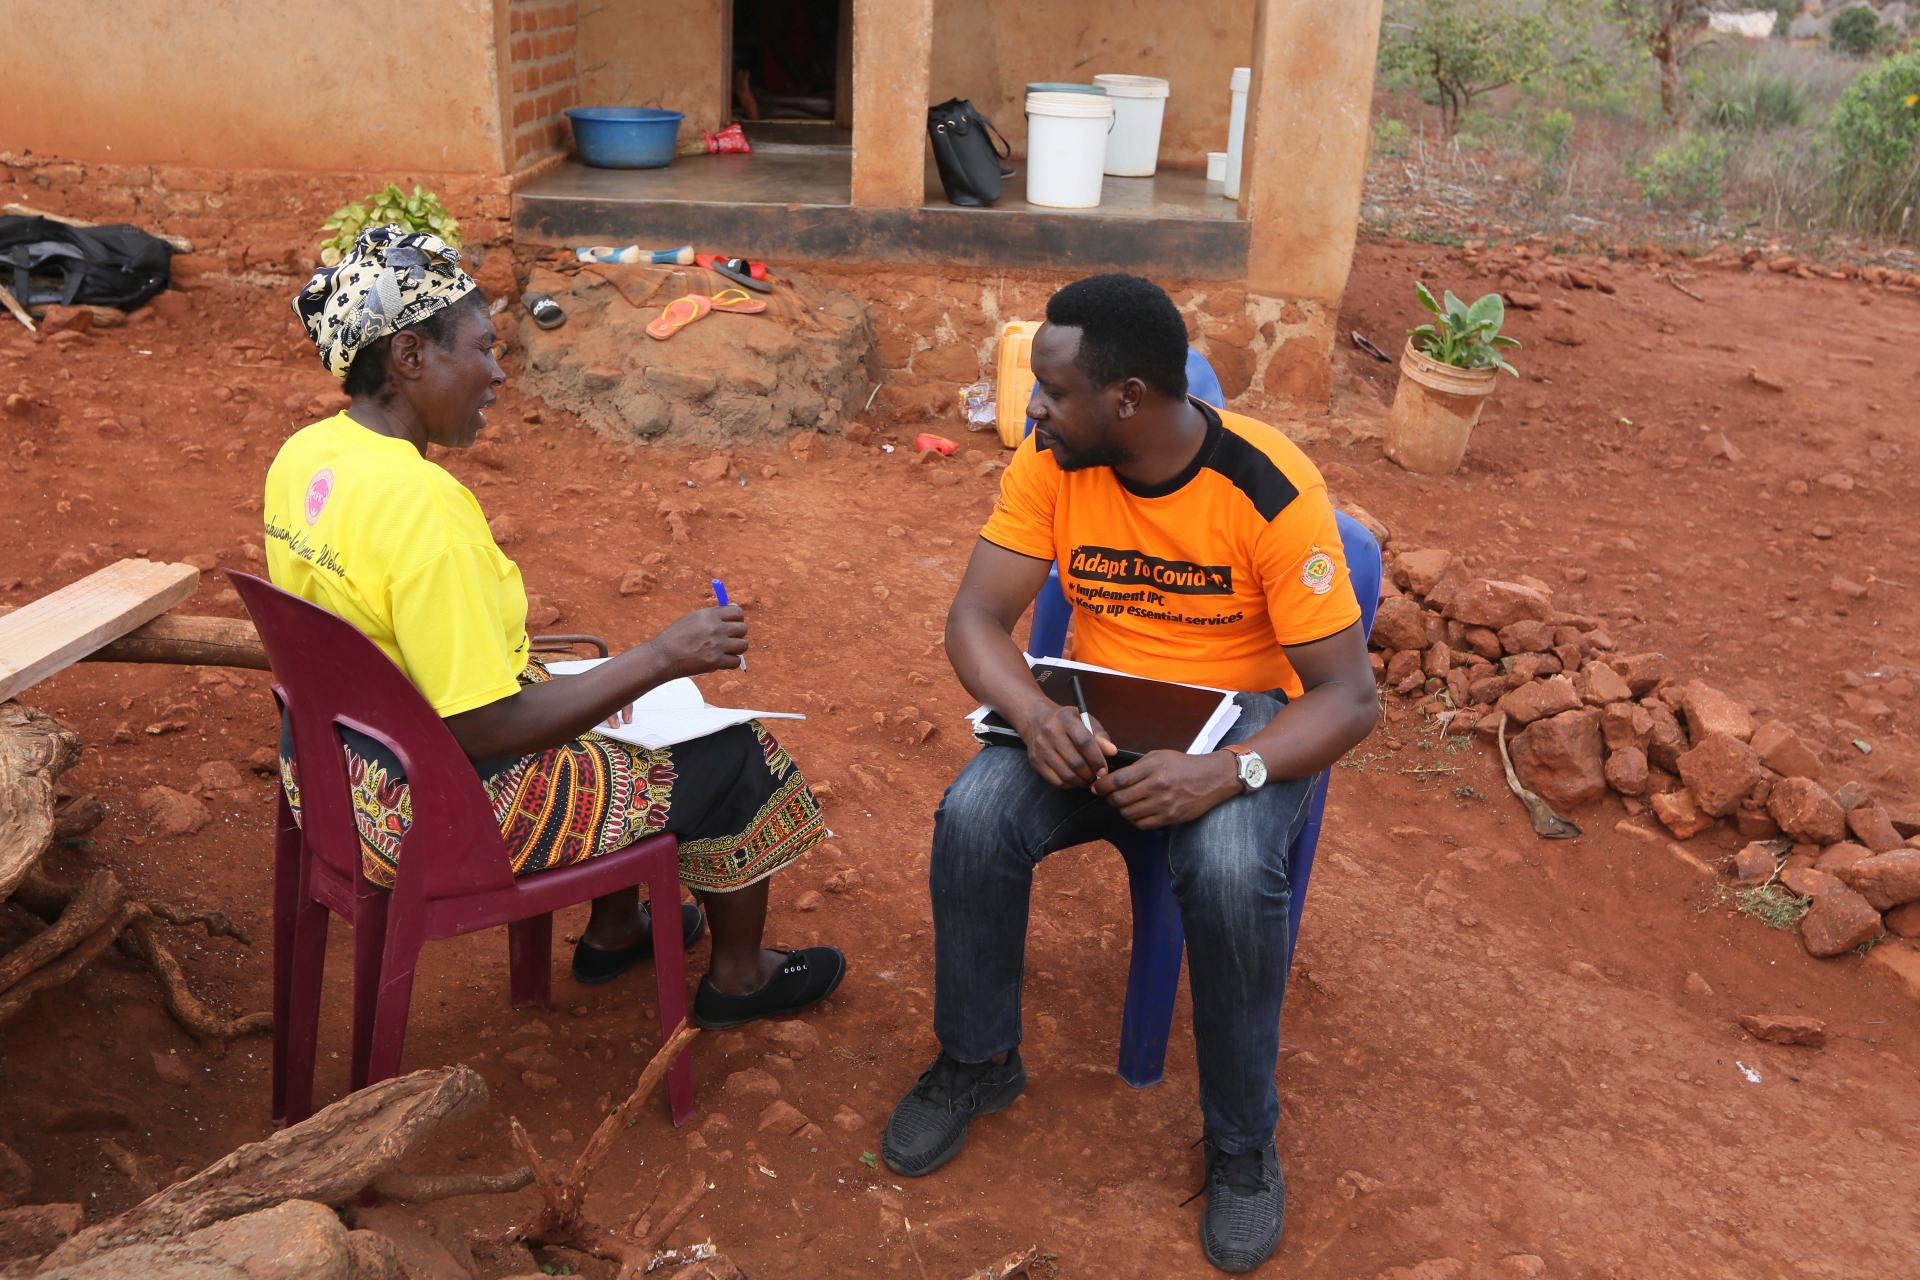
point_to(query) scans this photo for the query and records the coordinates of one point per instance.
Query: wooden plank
(189, 641)
(58, 630)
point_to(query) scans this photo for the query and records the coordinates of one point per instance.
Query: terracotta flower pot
(1434, 412)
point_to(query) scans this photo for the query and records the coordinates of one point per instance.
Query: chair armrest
(569, 640)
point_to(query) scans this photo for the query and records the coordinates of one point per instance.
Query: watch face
(1253, 771)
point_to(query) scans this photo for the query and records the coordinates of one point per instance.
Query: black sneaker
(595, 965)
(1246, 1204)
(804, 979)
(929, 1126)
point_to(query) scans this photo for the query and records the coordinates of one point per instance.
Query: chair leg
(1153, 974)
(305, 970)
(530, 961)
(670, 973)
(369, 951)
(286, 901)
(395, 996)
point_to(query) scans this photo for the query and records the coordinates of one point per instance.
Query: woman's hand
(705, 640)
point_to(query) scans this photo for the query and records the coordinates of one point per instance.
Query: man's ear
(1132, 391)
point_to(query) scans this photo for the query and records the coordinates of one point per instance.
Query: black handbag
(963, 147)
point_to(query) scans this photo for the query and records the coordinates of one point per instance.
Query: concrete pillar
(892, 61)
(1305, 161)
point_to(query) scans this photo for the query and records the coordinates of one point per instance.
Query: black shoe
(1246, 1204)
(803, 980)
(929, 1126)
(595, 965)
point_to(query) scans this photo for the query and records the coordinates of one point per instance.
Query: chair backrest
(1363, 566)
(1202, 383)
(328, 676)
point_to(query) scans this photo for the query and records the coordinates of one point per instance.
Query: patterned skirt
(735, 799)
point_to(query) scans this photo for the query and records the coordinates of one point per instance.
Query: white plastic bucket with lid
(1139, 105)
(1216, 166)
(1236, 128)
(1066, 148)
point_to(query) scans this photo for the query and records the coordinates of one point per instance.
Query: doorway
(790, 65)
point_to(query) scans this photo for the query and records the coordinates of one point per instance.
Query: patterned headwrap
(390, 279)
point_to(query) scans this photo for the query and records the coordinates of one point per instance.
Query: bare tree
(1672, 31)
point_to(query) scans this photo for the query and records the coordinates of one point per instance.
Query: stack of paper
(673, 712)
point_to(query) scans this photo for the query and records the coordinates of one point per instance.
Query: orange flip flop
(678, 314)
(738, 302)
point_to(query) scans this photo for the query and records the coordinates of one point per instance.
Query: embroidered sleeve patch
(1316, 575)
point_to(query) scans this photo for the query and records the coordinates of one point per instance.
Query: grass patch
(1772, 905)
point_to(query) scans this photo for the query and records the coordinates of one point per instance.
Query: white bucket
(1139, 105)
(1216, 166)
(1237, 128)
(1066, 148)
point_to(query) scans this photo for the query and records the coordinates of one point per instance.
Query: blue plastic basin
(625, 137)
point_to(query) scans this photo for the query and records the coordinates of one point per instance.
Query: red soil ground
(1491, 1046)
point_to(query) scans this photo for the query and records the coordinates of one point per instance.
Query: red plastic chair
(454, 876)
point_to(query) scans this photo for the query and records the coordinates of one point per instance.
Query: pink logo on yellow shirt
(319, 489)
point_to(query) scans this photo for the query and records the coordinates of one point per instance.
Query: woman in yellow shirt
(358, 521)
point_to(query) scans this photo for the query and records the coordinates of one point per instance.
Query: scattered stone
(60, 319)
(1709, 711)
(1626, 724)
(711, 470)
(1904, 921)
(1528, 636)
(1540, 699)
(1626, 771)
(35, 1229)
(1666, 740)
(1643, 672)
(1486, 602)
(1400, 624)
(1835, 857)
(753, 1082)
(782, 1116)
(847, 1120)
(539, 1081)
(1847, 587)
(1905, 820)
(1603, 686)
(171, 1069)
(1483, 642)
(1755, 864)
(1839, 921)
(173, 813)
(1755, 823)
(1785, 1028)
(1808, 882)
(1806, 812)
(1902, 962)
(1431, 1269)
(811, 900)
(1419, 571)
(1532, 666)
(1885, 880)
(1679, 813)
(1850, 796)
(1720, 771)
(1523, 300)
(1403, 667)
(1437, 661)
(1528, 1266)
(1561, 758)
(1872, 827)
(795, 1035)
(1782, 751)
(1698, 986)
(636, 582)
(264, 761)
(218, 775)
(506, 529)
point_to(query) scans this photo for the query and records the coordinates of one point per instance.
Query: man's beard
(1105, 454)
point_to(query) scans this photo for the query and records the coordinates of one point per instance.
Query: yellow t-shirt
(1201, 579)
(362, 525)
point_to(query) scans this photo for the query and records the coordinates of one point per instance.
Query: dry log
(34, 752)
(420, 1188)
(330, 1157)
(186, 641)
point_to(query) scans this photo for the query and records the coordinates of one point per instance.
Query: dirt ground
(1494, 1045)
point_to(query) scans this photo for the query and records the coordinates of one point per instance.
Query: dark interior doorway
(792, 63)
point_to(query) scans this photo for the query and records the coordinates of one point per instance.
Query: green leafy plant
(1462, 335)
(1685, 174)
(420, 211)
(1390, 137)
(1550, 137)
(1875, 134)
(1857, 31)
(1753, 97)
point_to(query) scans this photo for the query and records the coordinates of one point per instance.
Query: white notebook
(673, 712)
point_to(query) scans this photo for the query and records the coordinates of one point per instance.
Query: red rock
(1755, 824)
(782, 1116)
(1905, 819)
(1625, 724)
(173, 813)
(1437, 661)
(1489, 689)
(1839, 921)
(1603, 685)
(1539, 699)
(1809, 882)
(1571, 656)
(1901, 961)
(1885, 880)
(30, 1230)
(1403, 666)
(1872, 828)
(1904, 921)
(1420, 570)
(1484, 642)
(711, 470)
(1626, 771)
(1806, 812)
(1666, 740)
(1709, 711)
(1720, 771)
(1523, 300)
(1782, 751)
(1845, 854)
(1486, 602)
(1561, 758)
(1850, 796)
(1400, 624)
(1677, 810)
(1532, 666)
(264, 761)
(1755, 864)
(1785, 1028)
(60, 319)
(636, 582)
(1643, 672)
(1527, 636)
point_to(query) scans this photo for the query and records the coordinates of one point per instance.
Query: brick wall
(545, 80)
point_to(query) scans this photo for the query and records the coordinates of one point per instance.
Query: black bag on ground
(964, 149)
(43, 261)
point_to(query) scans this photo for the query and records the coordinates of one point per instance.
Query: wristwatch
(1252, 769)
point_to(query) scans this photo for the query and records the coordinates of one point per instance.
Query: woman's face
(456, 382)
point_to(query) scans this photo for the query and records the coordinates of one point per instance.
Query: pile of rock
(1584, 720)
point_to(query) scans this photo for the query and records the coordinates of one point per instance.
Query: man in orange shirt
(1196, 546)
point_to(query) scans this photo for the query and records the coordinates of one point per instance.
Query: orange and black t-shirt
(1201, 579)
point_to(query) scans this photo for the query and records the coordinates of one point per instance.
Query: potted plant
(421, 211)
(1446, 375)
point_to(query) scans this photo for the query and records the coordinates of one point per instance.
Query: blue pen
(720, 598)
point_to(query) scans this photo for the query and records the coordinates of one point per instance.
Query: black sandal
(545, 311)
(595, 965)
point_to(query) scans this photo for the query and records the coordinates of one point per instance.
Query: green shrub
(1752, 97)
(1390, 137)
(1685, 174)
(1875, 135)
(421, 211)
(1857, 31)
(1550, 138)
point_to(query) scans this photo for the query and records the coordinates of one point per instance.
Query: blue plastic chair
(1051, 612)
(1153, 974)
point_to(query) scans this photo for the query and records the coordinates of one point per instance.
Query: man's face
(1073, 419)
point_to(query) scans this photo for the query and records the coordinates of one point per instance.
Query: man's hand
(1062, 749)
(1167, 788)
(704, 640)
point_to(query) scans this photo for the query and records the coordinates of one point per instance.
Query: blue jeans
(1229, 873)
